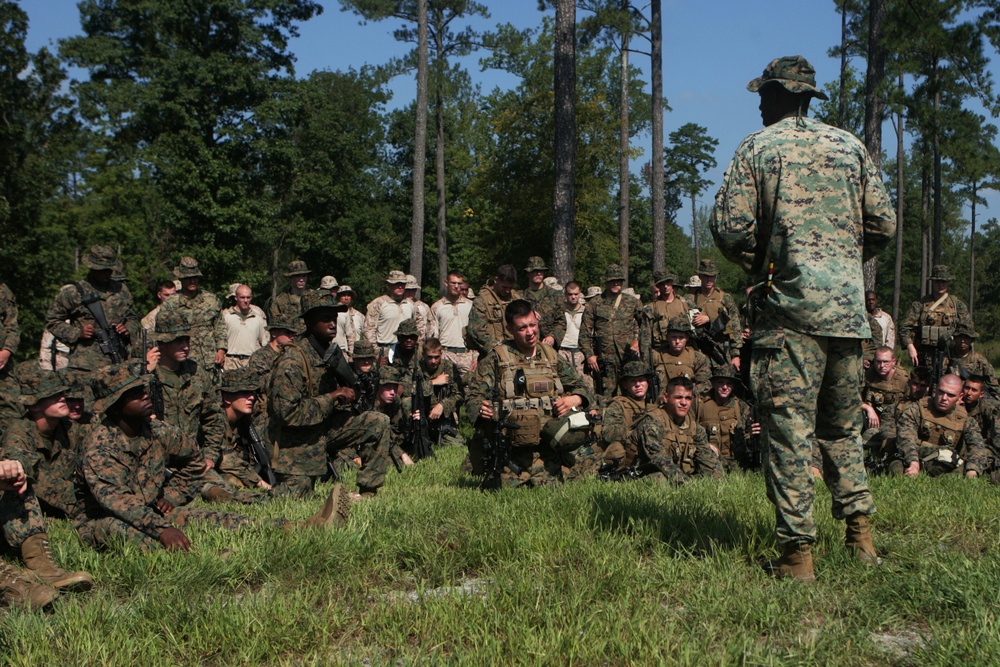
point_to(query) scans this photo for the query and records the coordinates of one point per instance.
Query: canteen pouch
(529, 428)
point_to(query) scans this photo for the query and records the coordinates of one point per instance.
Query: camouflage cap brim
(117, 391)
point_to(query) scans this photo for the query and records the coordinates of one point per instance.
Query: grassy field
(433, 571)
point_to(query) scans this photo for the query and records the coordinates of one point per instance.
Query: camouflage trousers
(367, 435)
(793, 374)
(464, 361)
(644, 451)
(542, 467)
(103, 531)
(20, 516)
(576, 358)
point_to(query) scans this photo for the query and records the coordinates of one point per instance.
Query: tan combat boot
(216, 494)
(859, 539)
(796, 562)
(18, 590)
(334, 511)
(37, 557)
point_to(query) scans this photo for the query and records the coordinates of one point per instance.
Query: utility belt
(456, 350)
(569, 349)
(238, 356)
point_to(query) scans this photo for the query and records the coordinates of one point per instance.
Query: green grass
(433, 571)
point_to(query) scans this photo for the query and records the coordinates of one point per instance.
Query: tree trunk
(842, 106)
(656, 186)
(925, 207)
(694, 233)
(874, 77)
(564, 198)
(419, 147)
(900, 173)
(938, 203)
(442, 204)
(972, 252)
(623, 154)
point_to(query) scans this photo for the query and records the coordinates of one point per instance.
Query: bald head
(947, 393)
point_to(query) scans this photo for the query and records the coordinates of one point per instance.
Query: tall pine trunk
(564, 198)
(656, 186)
(874, 77)
(419, 147)
(623, 151)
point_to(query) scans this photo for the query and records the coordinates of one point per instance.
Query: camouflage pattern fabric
(286, 307)
(722, 423)
(949, 314)
(260, 366)
(486, 327)
(191, 403)
(974, 363)
(68, 314)
(104, 532)
(548, 303)
(617, 327)
(655, 318)
(917, 441)
(714, 305)
(208, 333)
(125, 477)
(50, 461)
(803, 200)
(309, 427)
(10, 332)
(20, 517)
(234, 466)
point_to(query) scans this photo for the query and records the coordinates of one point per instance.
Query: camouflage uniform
(286, 306)
(547, 377)
(805, 198)
(486, 324)
(931, 322)
(973, 363)
(614, 319)
(715, 305)
(50, 461)
(68, 314)
(690, 363)
(309, 428)
(685, 445)
(202, 313)
(10, 331)
(726, 425)
(548, 303)
(20, 517)
(939, 441)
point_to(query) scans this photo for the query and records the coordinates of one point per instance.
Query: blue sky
(711, 49)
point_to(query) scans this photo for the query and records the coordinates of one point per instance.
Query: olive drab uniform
(942, 444)
(653, 330)
(527, 390)
(725, 426)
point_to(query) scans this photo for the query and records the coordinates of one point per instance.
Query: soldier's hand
(971, 474)
(736, 363)
(344, 395)
(407, 461)
(486, 410)
(220, 357)
(755, 428)
(415, 416)
(440, 380)
(261, 484)
(549, 340)
(592, 363)
(914, 357)
(436, 412)
(4, 357)
(121, 329)
(209, 464)
(700, 319)
(173, 539)
(871, 416)
(12, 477)
(913, 469)
(164, 506)
(152, 358)
(564, 404)
(87, 331)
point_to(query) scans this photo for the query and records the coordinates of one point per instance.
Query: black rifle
(419, 433)
(496, 454)
(610, 472)
(111, 343)
(714, 344)
(365, 389)
(747, 446)
(155, 386)
(602, 365)
(256, 450)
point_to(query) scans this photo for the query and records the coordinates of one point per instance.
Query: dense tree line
(192, 133)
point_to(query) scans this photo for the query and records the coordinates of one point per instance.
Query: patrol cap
(297, 267)
(396, 278)
(553, 282)
(364, 349)
(536, 264)
(328, 282)
(663, 276)
(239, 380)
(37, 384)
(631, 292)
(941, 272)
(679, 323)
(407, 327)
(471, 294)
(318, 299)
(614, 272)
(170, 325)
(100, 257)
(110, 385)
(635, 369)
(794, 73)
(568, 432)
(708, 267)
(188, 268)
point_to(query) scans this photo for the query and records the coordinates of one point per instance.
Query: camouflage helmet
(663, 276)
(364, 349)
(679, 323)
(614, 272)
(36, 384)
(707, 267)
(794, 73)
(568, 432)
(188, 268)
(723, 371)
(110, 385)
(79, 384)
(407, 327)
(941, 272)
(635, 369)
(100, 257)
(536, 264)
(170, 325)
(238, 380)
(297, 267)
(317, 299)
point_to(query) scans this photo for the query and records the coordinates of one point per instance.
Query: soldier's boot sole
(335, 511)
(37, 557)
(795, 563)
(858, 539)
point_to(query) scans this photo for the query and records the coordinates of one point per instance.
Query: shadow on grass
(697, 530)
